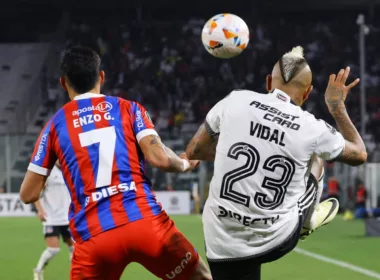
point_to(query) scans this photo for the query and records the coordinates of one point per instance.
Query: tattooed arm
(203, 144)
(163, 158)
(354, 152)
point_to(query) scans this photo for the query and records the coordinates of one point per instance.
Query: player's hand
(41, 216)
(193, 163)
(337, 90)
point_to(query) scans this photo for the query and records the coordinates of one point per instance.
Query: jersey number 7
(106, 137)
(278, 186)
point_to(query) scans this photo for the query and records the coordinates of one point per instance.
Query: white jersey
(55, 199)
(259, 185)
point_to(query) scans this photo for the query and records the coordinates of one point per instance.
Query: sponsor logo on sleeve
(139, 120)
(41, 146)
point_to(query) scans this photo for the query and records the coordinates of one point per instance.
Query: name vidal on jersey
(245, 220)
(91, 119)
(110, 191)
(266, 133)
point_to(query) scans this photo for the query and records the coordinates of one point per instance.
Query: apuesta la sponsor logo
(41, 147)
(176, 271)
(104, 106)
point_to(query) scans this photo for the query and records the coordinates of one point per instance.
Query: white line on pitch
(338, 263)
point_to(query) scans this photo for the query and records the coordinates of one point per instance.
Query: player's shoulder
(315, 124)
(126, 102)
(125, 105)
(309, 117)
(117, 100)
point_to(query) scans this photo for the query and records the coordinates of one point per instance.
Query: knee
(53, 250)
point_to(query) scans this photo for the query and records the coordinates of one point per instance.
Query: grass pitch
(21, 243)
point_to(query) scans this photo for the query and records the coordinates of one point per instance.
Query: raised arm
(203, 144)
(354, 152)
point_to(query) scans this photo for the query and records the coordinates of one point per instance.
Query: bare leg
(202, 272)
(52, 243)
(70, 244)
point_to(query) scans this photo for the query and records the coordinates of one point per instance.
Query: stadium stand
(19, 70)
(162, 64)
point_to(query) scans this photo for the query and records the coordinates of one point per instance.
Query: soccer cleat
(38, 275)
(324, 214)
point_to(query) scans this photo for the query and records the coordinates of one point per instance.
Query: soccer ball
(225, 35)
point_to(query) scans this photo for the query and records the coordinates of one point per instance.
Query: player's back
(95, 139)
(264, 147)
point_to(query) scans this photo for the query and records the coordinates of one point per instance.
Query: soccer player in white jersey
(263, 146)
(53, 212)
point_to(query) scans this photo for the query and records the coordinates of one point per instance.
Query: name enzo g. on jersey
(95, 138)
(259, 186)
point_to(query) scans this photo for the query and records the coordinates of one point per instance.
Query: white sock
(46, 256)
(310, 220)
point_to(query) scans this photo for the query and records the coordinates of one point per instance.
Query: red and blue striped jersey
(95, 138)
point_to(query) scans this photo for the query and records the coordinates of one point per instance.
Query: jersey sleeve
(330, 143)
(43, 157)
(141, 122)
(213, 118)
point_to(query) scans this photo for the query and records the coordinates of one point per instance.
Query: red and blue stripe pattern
(129, 196)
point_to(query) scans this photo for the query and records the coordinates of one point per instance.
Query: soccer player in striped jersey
(101, 143)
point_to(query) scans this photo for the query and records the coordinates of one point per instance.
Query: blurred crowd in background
(160, 62)
(163, 64)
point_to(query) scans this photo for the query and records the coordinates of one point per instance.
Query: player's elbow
(361, 158)
(28, 198)
(364, 156)
(28, 194)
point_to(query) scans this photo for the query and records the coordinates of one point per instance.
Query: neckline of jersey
(288, 99)
(88, 95)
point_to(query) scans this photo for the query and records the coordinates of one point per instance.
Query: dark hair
(81, 66)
